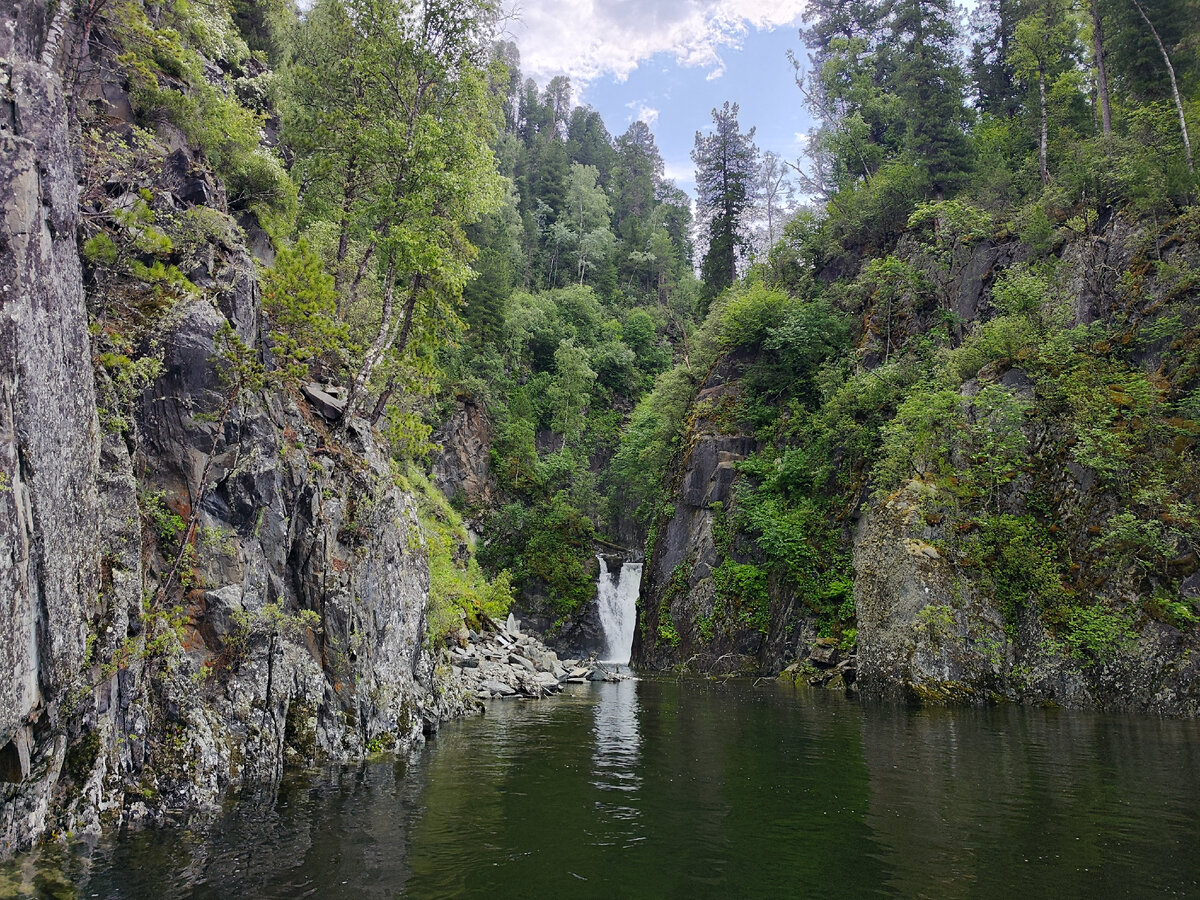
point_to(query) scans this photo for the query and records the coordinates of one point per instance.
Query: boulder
(324, 401)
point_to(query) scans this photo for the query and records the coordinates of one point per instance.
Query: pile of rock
(500, 662)
(826, 666)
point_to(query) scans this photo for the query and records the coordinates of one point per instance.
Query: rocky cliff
(203, 580)
(1023, 534)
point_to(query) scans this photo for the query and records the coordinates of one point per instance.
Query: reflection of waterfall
(618, 741)
(617, 597)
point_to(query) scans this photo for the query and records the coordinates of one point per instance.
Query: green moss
(82, 756)
(299, 733)
(942, 693)
(742, 590)
(458, 587)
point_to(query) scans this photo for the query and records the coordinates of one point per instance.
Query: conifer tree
(929, 83)
(726, 165)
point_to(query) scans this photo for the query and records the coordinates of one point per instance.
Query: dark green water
(663, 789)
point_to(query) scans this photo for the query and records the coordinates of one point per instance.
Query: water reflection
(617, 739)
(668, 788)
(1003, 801)
(616, 755)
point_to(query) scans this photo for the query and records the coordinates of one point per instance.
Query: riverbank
(501, 662)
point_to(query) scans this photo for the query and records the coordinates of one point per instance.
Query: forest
(447, 234)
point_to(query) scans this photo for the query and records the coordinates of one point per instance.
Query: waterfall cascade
(617, 594)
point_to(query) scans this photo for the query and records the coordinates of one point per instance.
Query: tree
(1101, 72)
(1187, 144)
(393, 141)
(726, 164)
(570, 390)
(589, 143)
(586, 219)
(992, 71)
(929, 83)
(1041, 52)
(777, 196)
(848, 88)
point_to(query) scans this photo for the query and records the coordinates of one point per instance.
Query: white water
(617, 598)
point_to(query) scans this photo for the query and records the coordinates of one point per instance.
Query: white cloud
(642, 112)
(587, 39)
(679, 172)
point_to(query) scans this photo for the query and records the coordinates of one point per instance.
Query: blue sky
(670, 62)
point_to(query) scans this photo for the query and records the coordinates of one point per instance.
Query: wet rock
(824, 652)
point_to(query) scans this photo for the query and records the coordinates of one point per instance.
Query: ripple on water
(665, 788)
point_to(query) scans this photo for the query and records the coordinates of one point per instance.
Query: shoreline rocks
(500, 662)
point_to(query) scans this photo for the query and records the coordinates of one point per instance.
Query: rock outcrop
(200, 583)
(461, 465)
(947, 608)
(678, 596)
(50, 547)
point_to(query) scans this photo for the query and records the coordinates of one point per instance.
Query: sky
(669, 63)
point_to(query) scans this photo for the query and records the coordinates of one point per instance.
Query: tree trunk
(1043, 140)
(409, 307)
(339, 276)
(378, 346)
(1101, 77)
(1187, 144)
(381, 403)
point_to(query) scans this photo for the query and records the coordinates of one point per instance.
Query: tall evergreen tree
(996, 91)
(726, 165)
(637, 174)
(929, 82)
(589, 143)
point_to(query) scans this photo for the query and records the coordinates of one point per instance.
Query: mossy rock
(82, 756)
(943, 693)
(300, 733)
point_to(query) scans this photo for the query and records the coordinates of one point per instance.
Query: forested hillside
(959, 402)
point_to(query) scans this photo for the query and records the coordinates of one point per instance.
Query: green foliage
(458, 587)
(1019, 564)
(1166, 608)
(166, 524)
(300, 300)
(742, 588)
(1092, 634)
(164, 64)
(545, 546)
(936, 621)
(750, 313)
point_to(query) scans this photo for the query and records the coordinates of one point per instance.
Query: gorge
(853, 542)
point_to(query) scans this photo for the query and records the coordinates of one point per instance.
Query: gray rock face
(49, 443)
(677, 592)
(461, 461)
(926, 633)
(914, 635)
(298, 632)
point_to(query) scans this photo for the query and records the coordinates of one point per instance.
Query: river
(664, 788)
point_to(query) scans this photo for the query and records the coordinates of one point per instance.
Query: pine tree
(929, 83)
(991, 70)
(589, 143)
(726, 165)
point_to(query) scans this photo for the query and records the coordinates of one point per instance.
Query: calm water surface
(662, 788)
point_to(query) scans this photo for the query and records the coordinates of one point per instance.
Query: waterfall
(617, 595)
